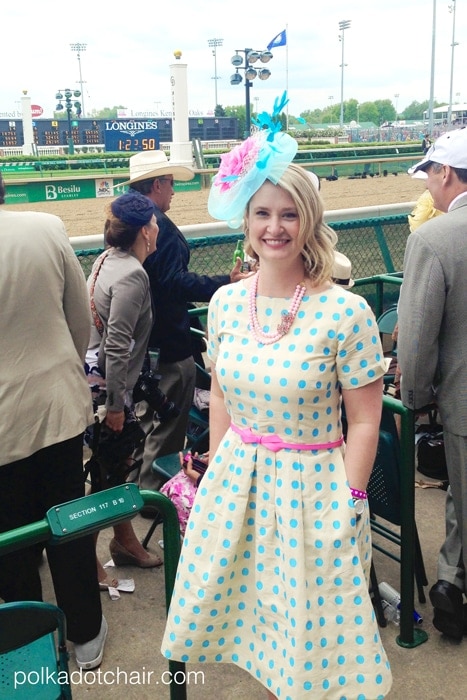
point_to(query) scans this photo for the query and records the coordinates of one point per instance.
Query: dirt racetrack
(86, 217)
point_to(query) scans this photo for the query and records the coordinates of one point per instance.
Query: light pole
(432, 72)
(79, 48)
(396, 97)
(214, 43)
(454, 43)
(343, 25)
(250, 56)
(66, 95)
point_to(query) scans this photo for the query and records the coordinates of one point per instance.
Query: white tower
(28, 144)
(180, 148)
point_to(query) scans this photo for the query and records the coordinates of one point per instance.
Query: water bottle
(391, 613)
(392, 598)
(389, 594)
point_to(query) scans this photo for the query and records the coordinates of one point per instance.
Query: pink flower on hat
(237, 162)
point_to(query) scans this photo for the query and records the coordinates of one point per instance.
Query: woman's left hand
(115, 420)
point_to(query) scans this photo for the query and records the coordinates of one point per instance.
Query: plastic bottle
(389, 594)
(391, 613)
(391, 598)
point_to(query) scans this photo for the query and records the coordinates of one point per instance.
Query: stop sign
(36, 111)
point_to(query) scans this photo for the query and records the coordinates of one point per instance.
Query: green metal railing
(51, 528)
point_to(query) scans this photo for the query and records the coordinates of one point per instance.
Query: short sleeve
(360, 357)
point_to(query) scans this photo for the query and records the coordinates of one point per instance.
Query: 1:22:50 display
(137, 145)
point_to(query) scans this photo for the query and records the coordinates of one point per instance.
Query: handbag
(431, 456)
(111, 462)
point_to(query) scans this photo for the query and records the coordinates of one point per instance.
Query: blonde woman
(272, 575)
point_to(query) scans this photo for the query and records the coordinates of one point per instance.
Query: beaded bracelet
(356, 493)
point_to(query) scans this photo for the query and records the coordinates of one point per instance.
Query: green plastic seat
(385, 497)
(33, 652)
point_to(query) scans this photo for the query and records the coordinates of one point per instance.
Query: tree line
(377, 112)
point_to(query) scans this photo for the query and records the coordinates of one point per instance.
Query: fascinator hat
(263, 156)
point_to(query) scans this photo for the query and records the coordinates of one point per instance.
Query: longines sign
(131, 127)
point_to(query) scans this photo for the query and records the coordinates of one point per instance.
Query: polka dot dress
(273, 574)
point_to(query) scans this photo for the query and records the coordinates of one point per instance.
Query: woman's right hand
(115, 420)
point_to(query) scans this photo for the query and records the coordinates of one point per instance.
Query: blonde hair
(316, 238)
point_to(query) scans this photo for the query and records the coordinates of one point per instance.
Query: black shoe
(447, 597)
(447, 601)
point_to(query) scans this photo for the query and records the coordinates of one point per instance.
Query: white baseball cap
(449, 149)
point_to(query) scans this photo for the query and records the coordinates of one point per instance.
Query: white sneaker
(89, 655)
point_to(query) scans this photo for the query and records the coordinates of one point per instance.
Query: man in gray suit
(432, 351)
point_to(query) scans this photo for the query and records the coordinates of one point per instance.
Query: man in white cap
(173, 287)
(432, 351)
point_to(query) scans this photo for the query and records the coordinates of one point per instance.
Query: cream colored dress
(273, 569)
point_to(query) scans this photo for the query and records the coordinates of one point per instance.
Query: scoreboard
(117, 135)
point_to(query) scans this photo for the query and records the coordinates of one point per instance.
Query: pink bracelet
(356, 493)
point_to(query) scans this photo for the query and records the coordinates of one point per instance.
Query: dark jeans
(28, 488)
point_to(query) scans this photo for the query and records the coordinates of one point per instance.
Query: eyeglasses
(166, 179)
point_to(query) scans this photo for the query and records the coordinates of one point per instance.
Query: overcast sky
(130, 45)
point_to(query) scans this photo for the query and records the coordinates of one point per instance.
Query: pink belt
(275, 443)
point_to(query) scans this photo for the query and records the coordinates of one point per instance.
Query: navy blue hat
(133, 208)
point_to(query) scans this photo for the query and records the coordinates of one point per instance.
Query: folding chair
(33, 652)
(384, 496)
(386, 324)
(198, 418)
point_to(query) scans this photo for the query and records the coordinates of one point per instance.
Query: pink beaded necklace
(287, 318)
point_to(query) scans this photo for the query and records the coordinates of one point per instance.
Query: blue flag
(279, 40)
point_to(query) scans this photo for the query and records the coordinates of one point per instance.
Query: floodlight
(264, 74)
(265, 56)
(253, 56)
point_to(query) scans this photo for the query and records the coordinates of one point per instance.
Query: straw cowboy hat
(341, 270)
(147, 165)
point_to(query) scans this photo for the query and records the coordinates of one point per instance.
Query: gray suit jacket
(432, 343)
(44, 332)
(123, 303)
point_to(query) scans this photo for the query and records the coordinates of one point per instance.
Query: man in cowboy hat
(431, 351)
(173, 288)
